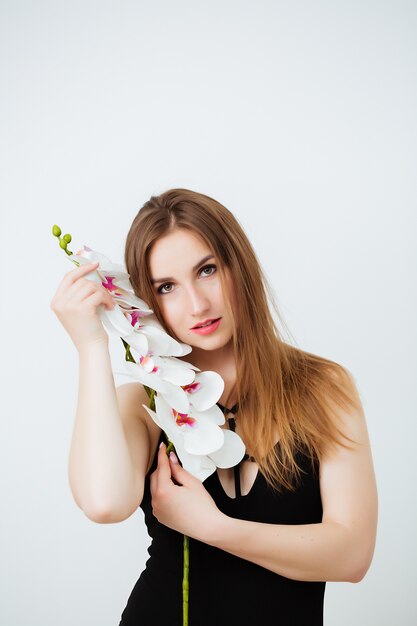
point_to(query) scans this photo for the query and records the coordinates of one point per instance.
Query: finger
(78, 291)
(84, 288)
(179, 473)
(72, 276)
(164, 469)
(85, 268)
(154, 482)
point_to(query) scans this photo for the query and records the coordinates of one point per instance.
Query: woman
(301, 507)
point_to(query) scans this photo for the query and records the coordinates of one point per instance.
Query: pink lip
(205, 330)
(209, 319)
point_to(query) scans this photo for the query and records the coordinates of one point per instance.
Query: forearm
(312, 552)
(100, 468)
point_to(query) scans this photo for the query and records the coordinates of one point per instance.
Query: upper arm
(348, 485)
(140, 434)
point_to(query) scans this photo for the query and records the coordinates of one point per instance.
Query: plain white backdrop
(300, 118)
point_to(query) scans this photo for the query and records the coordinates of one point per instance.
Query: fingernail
(161, 444)
(173, 457)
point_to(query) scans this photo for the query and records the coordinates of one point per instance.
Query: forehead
(178, 250)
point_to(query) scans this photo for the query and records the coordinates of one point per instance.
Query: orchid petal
(160, 343)
(133, 301)
(150, 380)
(203, 438)
(125, 284)
(231, 453)
(200, 466)
(92, 257)
(168, 423)
(175, 397)
(174, 347)
(206, 390)
(154, 415)
(138, 342)
(214, 414)
(119, 324)
(178, 375)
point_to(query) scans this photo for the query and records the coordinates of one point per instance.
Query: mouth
(206, 323)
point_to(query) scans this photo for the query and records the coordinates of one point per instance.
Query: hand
(188, 507)
(75, 304)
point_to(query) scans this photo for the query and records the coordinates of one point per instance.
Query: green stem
(185, 581)
(128, 355)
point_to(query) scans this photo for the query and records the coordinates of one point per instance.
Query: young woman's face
(188, 289)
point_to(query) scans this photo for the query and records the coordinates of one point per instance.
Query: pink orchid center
(145, 361)
(108, 284)
(134, 317)
(192, 387)
(183, 418)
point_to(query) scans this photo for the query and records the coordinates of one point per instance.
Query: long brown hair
(284, 393)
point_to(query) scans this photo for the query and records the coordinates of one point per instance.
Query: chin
(216, 343)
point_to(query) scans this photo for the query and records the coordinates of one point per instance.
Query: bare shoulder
(350, 417)
(142, 433)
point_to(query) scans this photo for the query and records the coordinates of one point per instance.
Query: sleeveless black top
(226, 590)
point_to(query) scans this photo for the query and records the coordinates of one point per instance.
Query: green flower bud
(68, 238)
(56, 231)
(63, 243)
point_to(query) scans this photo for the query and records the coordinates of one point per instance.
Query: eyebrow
(168, 279)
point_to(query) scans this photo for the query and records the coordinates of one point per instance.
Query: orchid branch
(182, 400)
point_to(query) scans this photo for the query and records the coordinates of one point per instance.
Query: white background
(300, 117)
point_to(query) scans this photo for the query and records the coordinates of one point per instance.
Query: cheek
(215, 292)
(169, 311)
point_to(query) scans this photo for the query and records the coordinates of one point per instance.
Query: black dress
(226, 590)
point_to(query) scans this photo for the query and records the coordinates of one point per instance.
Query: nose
(198, 303)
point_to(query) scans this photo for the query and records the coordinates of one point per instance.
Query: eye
(159, 290)
(209, 267)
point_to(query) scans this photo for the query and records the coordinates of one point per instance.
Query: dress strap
(234, 408)
(236, 469)
(232, 424)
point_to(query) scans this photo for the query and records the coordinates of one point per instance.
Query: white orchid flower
(205, 390)
(166, 376)
(126, 318)
(159, 341)
(200, 443)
